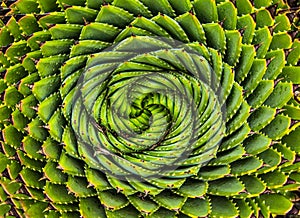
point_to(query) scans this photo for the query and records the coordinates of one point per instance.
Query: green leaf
(54, 174)
(261, 93)
(244, 7)
(4, 208)
(171, 26)
(133, 6)
(144, 205)
(261, 117)
(65, 31)
(70, 165)
(262, 38)
(255, 75)
(206, 11)
(291, 74)
(58, 193)
(291, 138)
(181, 7)
(45, 87)
(49, 66)
(244, 209)
(225, 186)
(113, 15)
(214, 172)
(112, 200)
(277, 203)
(215, 36)
(12, 96)
(271, 158)
(234, 47)
(14, 74)
(192, 188)
(196, 207)
(193, 28)
(273, 179)
(51, 149)
(48, 106)
(97, 179)
(281, 94)
(245, 166)
(245, 62)
(228, 156)
(27, 6)
(36, 130)
(32, 178)
(256, 144)
(278, 127)
(80, 15)
(253, 185)
(99, 31)
(159, 6)
(276, 64)
(32, 147)
(12, 136)
(169, 200)
(281, 41)
(91, 207)
(263, 18)
(78, 186)
(122, 213)
(227, 13)
(56, 47)
(222, 207)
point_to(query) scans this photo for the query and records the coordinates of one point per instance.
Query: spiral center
(152, 114)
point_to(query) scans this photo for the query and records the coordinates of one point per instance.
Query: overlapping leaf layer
(253, 49)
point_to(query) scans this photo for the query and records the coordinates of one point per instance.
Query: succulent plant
(139, 108)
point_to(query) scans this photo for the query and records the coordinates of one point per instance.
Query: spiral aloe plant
(139, 108)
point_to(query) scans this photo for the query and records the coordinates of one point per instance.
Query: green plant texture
(195, 103)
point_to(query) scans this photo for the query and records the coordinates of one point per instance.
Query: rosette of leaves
(253, 49)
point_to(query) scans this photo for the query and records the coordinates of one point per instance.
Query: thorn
(35, 60)
(50, 25)
(85, 21)
(288, 51)
(41, 43)
(90, 185)
(257, 46)
(59, 167)
(29, 86)
(270, 60)
(280, 110)
(277, 81)
(222, 22)
(271, 28)
(119, 190)
(242, 31)
(40, 151)
(66, 6)
(34, 108)
(39, 16)
(43, 178)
